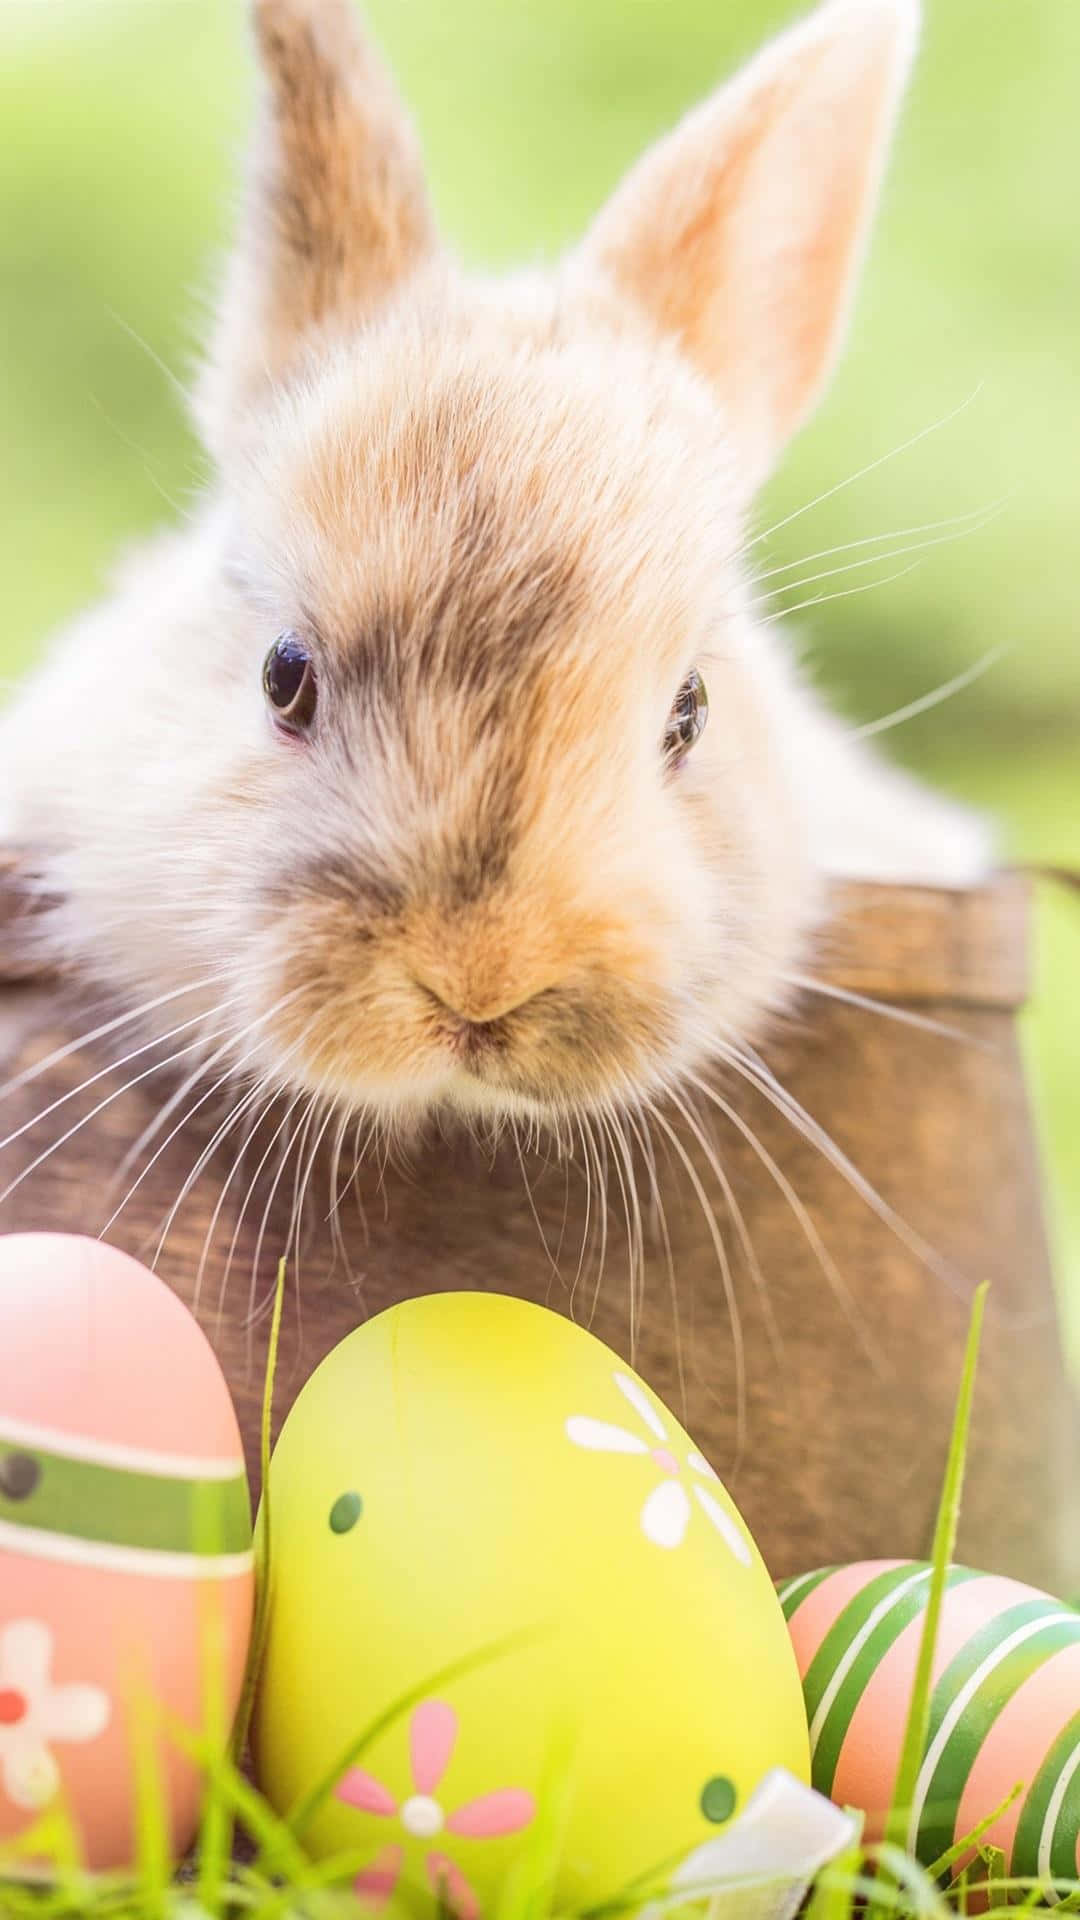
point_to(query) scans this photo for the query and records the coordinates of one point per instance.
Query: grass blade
(970, 1841)
(948, 1517)
(261, 1623)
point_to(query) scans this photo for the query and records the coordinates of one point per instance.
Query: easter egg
(126, 1578)
(1005, 1706)
(503, 1579)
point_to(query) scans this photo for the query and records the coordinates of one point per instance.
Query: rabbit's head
(457, 742)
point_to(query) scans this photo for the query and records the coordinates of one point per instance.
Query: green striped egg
(1005, 1706)
(126, 1564)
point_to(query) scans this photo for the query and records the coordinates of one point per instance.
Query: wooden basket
(853, 1310)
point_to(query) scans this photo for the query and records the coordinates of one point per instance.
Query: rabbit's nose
(478, 1010)
(482, 968)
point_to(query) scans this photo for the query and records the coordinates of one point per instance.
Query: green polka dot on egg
(718, 1799)
(345, 1512)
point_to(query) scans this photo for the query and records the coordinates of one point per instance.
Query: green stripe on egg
(959, 1726)
(1004, 1708)
(792, 1593)
(1038, 1803)
(845, 1627)
(908, 1600)
(1066, 1826)
(123, 1507)
(976, 1650)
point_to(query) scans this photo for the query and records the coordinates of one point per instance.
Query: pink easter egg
(1004, 1721)
(126, 1569)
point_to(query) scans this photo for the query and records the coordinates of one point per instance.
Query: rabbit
(443, 765)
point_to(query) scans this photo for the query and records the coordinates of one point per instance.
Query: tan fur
(337, 208)
(508, 521)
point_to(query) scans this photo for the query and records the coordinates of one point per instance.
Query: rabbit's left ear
(336, 214)
(740, 233)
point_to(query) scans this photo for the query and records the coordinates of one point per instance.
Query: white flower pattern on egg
(35, 1714)
(666, 1513)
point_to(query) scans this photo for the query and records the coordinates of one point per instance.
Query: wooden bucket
(852, 1309)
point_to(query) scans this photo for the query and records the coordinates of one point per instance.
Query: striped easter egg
(1005, 1706)
(126, 1566)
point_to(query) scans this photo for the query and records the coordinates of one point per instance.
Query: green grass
(280, 1882)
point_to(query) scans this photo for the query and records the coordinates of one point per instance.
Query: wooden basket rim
(912, 944)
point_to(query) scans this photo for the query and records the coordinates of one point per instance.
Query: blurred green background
(121, 121)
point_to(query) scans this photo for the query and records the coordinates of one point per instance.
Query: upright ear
(741, 232)
(336, 209)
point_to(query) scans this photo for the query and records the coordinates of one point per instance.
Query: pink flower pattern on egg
(35, 1714)
(665, 1515)
(433, 1733)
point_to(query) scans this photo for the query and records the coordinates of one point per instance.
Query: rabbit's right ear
(741, 233)
(336, 213)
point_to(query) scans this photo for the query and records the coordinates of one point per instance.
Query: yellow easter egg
(502, 1577)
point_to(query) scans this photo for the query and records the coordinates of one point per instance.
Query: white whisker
(639, 1121)
(102, 1073)
(233, 1071)
(759, 1075)
(235, 1068)
(586, 1152)
(152, 355)
(333, 1217)
(102, 1032)
(774, 617)
(159, 1066)
(863, 473)
(274, 1138)
(937, 697)
(974, 514)
(870, 560)
(906, 1016)
(711, 1152)
(263, 1099)
(184, 1121)
(724, 1265)
(294, 1139)
(817, 1246)
(602, 1178)
(300, 1204)
(548, 1255)
(632, 1217)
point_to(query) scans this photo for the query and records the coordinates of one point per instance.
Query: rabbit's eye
(289, 683)
(686, 721)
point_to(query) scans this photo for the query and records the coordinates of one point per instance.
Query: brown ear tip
(280, 25)
(300, 13)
